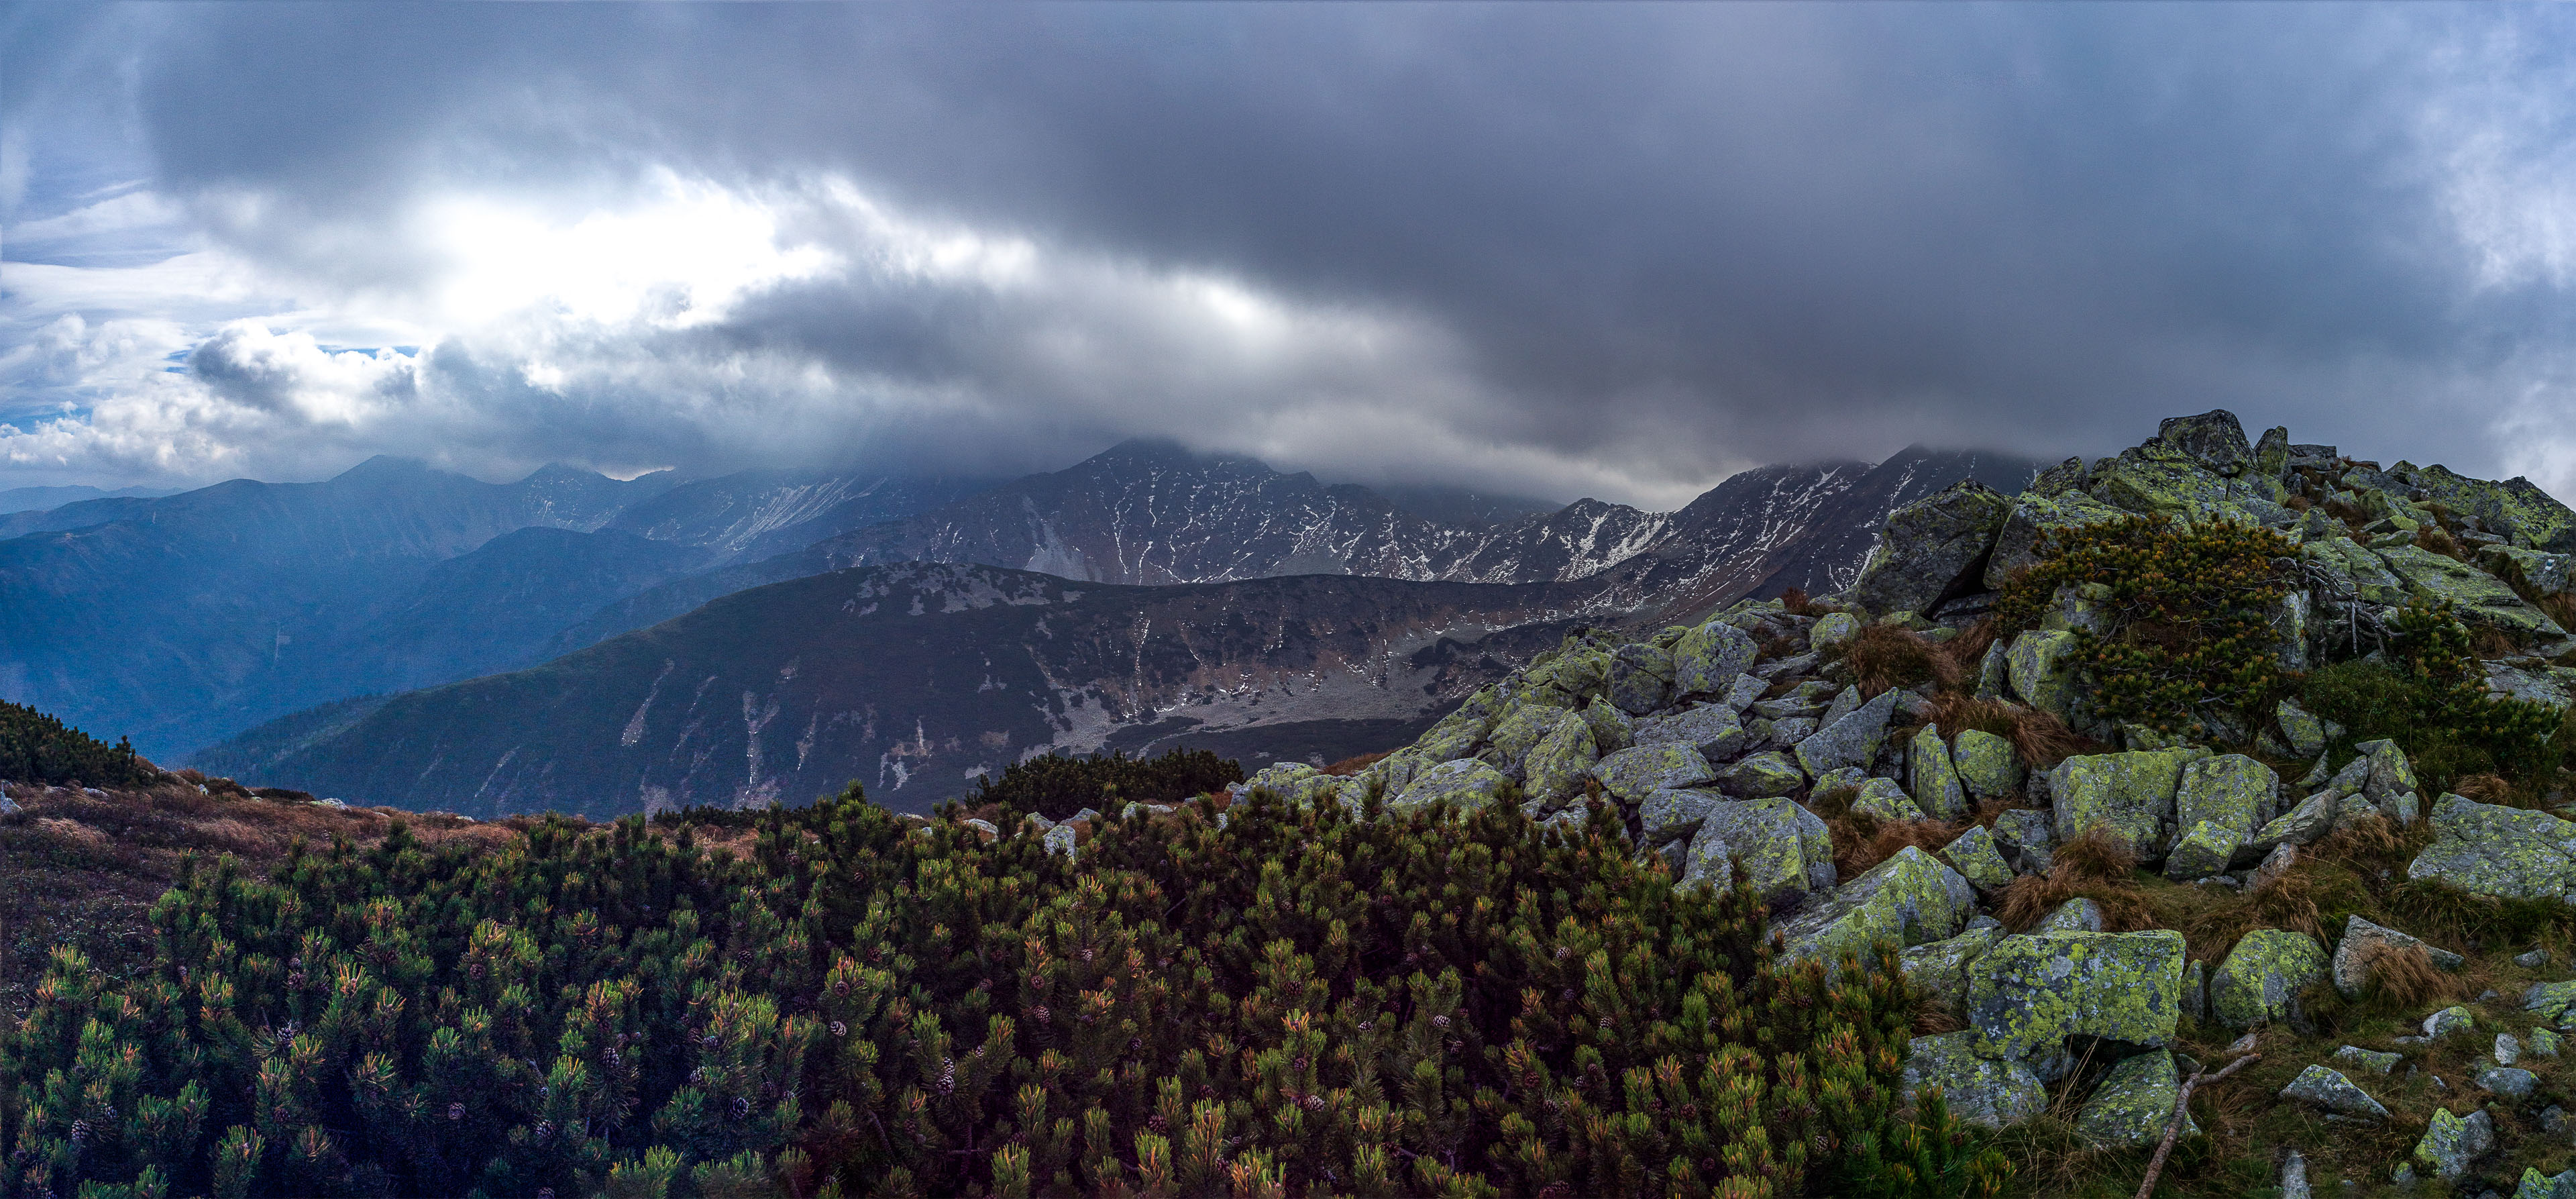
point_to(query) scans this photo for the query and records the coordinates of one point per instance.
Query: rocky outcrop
(2511, 853)
(1933, 549)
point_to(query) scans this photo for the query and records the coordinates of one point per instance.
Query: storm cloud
(1621, 251)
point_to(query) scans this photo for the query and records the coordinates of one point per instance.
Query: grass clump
(2091, 866)
(1884, 657)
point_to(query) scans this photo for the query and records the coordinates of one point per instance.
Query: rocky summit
(2104, 850)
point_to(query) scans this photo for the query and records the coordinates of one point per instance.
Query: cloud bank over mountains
(1610, 251)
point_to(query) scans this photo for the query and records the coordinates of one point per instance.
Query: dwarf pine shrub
(37, 748)
(1056, 786)
(2430, 697)
(2188, 611)
(1304, 1001)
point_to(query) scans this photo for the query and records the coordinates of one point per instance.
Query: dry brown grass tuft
(2484, 788)
(1795, 602)
(2091, 866)
(2407, 977)
(1884, 657)
(2298, 503)
(2561, 607)
(1350, 766)
(1967, 651)
(1862, 840)
(2436, 539)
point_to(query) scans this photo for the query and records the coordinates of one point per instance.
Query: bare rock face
(1933, 549)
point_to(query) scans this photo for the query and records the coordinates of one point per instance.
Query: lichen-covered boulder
(1974, 856)
(1978, 1090)
(2488, 849)
(2027, 836)
(2390, 786)
(2537, 572)
(2305, 824)
(2233, 790)
(2033, 514)
(1518, 732)
(1466, 784)
(2307, 733)
(1850, 741)
(2480, 598)
(2330, 1090)
(1933, 549)
(2128, 795)
(1785, 849)
(1987, 765)
(2366, 1059)
(1762, 775)
(1556, 769)
(2041, 665)
(1672, 815)
(2363, 943)
(1845, 702)
(1638, 771)
(1612, 729)
(2260, 981)
(2449, 1020)
(1832, 629)
(1909, 899)
(2536, 1185)
(1457, 734)
(1576, 672)
(1887, 801)
(1712, 729)
(2077, 915)
(2133, 1104)
(1641, 678)
(2550, 1000)
(2451, 1142)
(2028, 994)
(1939, 969)
(1937, 789)
(2203, 850)
(1707, 659)
(2214, 440)
(2148, 482)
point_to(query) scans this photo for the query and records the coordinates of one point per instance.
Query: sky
(1551, 250)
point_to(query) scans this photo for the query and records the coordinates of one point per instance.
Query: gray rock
(2533, 960)
(1936, 785)
(1887, 801)
(1634, 773)
(1671, 814)
(2029, 994)
(2294, 1177)
(2261, 979)
(2073, 916)
(2390, 776)
(1060, 840)
(1612, 730)
(2541, 1043)
(2330, 1090)
(1712, 729)
(2305, 824)
(1974, 856)
(1467, 784)
(1641, 678)
(2214, 440)
(1844, 703)
(2027, 835)
(1784, 849)
(2507, 1080)
(1933, 548)
(1987, 764)
(2370, 1060)
(1994, 672)
(1555, 770)
(2307, 733)
(2206, 848)
(1939, 969)
(2451, 1143)
(1762, 775)
(1850, 741)
(2133, 1104)
(2129, 796)
(2510, 853)
(1786, 734)
(2555, 1122)
(1979, 1090)
(1747, 688)
(2507, 1050)
(1707, 659)
(2363, 942)
(1908, 899)
(2447, 1021)
(2233, 790)
(2195, 990)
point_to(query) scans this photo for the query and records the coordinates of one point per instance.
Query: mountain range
(265, 615)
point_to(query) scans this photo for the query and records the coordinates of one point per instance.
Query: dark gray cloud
(1621, 249)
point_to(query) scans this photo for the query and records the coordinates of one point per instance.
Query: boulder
(1832, 629)
(2364, 1059)
(1612, 730)
(2128, 795)
(2509, 853)
(2451, 1142)
(1887, 801)
(1784, 849)
(1712, 729)
(1933, 549)
(1939, 969)
(1519, 731)
(2531, 571)
(2195, 990)
(2260, 981)
(2305, 824)
(2330, 1090)
(2078, 915)
(2034, 513)
(2041, 666)
(2153, 480)
(1844, 703)
(1762, 775)
(2507, 1050)
(2480, 598)
(1466, 784)
(1908, 899)
(1707, 659)
(2231, 790)
(2027, 835)
(2511, 1081)
(1641, 677)
(1988, 766)
(2390, 786)
(2204, 850)
(1974, 856)
(2515, 509)
(1457, 733)
(2307, 734)
(1634, 773)
(2536, 1185)
(1747, 688)
(2133, 1104)
(1575, 673)
(1937, 789)
(2447, 1021)
(1670, 815)
(2030, 993)
(2550, 1000)
(1850, 741)
(2363, 942)
(2215, 441)
(1978, 1090)
(1555, 770)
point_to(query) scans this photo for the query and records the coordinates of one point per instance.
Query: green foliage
(2431, 699)
(1931, 1154)
(1056, 787)
(37, 748)
(2188, 610)
(1304, 1001)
